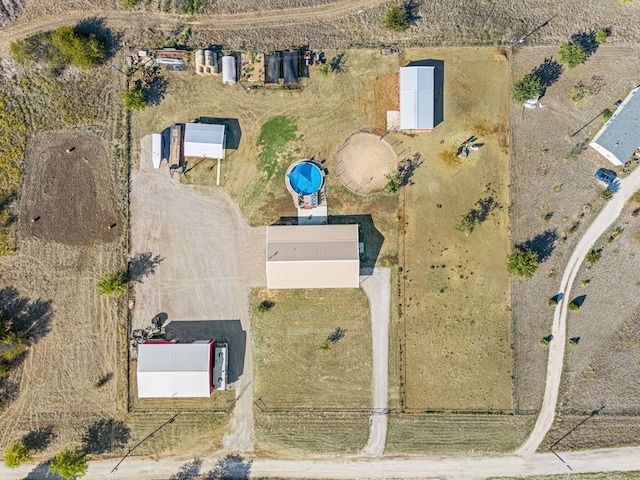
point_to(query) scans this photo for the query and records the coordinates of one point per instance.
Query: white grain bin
(229, 69)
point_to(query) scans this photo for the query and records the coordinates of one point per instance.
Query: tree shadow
(142, 265)
(40, 439)
(40, 472)
(587, 40)
(412, 9)
(407, 168)
(155, 90)
(96, 26)
(231, 467)
(548, 72)
(105, 436)
(485, 206)
(30, 318)
(542, 244)
(189, 471)
(579, 300)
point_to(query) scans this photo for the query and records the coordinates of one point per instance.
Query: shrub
(546, 340)
(553, 301)
(17, 454)
(636, 197)
(601, 37)
(466, 225)
(128, 3)
(593, 257)
(574, 306)
(69, 464)
(572, 55)
(580, 94)
(324, 69)
(523, 263)
(530, 86)
(133, 99)
(266, 305)
(547, 217)
(393, 184)
(113, 284)
(396, 19)
(606, 194)
(607, 114)
(573, 341)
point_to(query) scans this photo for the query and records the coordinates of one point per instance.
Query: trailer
(220, 366)
(175, 154)
(156, 149)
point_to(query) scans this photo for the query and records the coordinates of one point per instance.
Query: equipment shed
(272, 68)
(417, 86)
(175, 370)
(619, 138)
(313, 256)
(204, 140)
(229, 72)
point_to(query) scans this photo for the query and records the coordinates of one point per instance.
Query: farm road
(378, 289)
(459, 468)
(268, 18)
(205, 259)
(603, 221)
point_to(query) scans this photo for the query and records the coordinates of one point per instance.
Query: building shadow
(40, 472)
(438, 87)
(223, 331)
(369, 236)
(233, 130)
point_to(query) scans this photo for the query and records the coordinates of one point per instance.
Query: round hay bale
(364, 162)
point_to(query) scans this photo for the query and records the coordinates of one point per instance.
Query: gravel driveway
(196, 259)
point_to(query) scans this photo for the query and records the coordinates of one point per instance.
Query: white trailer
(220, 366)
(156, 149)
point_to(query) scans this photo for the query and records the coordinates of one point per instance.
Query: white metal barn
(204, 140)
(175, 370)
(619, 138)
(417, 86)
(313, 256)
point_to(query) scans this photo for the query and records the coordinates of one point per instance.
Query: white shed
(175, 370)
(156, 149)
(313, 256)
(417, 85)
(204, 140)
(229, 69)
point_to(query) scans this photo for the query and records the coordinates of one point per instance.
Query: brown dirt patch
(385, 91)
(364, 162)
(69, 194)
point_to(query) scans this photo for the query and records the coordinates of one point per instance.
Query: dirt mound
(66, 196)
(364, 162)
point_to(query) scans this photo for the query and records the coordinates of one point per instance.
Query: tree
(593, 256)
(523, 263)
(17, 454)
(601, 36)
(82, 50)
(69, 464)
(530, 86)
(393, 184)
(466, 225)
(134, 99)
(112, 284)
(572, 54)
(396, 19)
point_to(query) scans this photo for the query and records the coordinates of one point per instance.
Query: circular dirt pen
(364, 162)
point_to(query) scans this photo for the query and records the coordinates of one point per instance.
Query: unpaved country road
(378, 290)
(268, 18)
(603, 221)
(461, 468)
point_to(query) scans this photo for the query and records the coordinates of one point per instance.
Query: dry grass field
(455, 286)
(456, 434)
(312, 394)
(552, 173)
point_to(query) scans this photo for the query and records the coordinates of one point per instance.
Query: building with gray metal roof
(417, 86)
(619, 138)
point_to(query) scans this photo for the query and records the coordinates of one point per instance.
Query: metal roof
(417, 98)
(619, 138)
(313, 256)
(204, 140)
(174, 370)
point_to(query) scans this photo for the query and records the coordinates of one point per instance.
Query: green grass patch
(275, 136)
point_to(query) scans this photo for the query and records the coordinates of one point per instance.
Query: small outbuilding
(229, 72)
(619, 138)
(417, 87)
(204, 140)
(313, 256)
(290, 64)
(175, 370)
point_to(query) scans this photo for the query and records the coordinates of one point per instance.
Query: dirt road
(603, 221)
(459, 468)
(200, 258)
(270, 18)
(378, 289)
